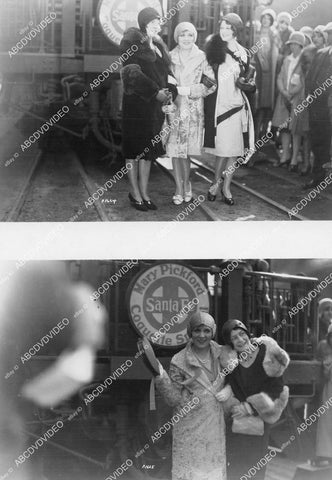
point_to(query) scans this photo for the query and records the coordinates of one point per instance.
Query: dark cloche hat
(229, 326)
(146, 16)
(233, 19)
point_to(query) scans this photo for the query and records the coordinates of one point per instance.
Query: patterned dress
(187, 138)
(199, 451)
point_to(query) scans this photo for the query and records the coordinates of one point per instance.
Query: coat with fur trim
(216, 51)
(261, 385)
(143, 75)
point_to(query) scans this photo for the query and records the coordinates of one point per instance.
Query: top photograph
(165, 110)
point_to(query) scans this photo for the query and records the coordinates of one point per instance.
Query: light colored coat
(324, 428)
(187, 138)
(281, 115)
(258, 61)
(199, 451)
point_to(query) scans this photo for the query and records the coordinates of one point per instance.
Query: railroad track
(49, 195)
(250, 191)
(57, 188)
(203, 176)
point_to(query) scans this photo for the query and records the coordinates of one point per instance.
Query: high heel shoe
(136, 204)
(212, 193)
(150, 205)
(228, 200)
(305, 173)
(177, 200)
(285, 163)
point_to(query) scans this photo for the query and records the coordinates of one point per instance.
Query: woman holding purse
(229, 129)
(258, 396)
(148, 85)
(196, 81)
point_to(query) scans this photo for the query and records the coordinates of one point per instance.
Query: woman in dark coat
(257, 390)
(148, 84)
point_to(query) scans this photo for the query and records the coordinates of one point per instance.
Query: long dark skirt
(245, 452)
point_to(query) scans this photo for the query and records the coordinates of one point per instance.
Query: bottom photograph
(165, 369)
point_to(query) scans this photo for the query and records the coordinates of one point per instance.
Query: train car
(116, 423)
(56, 53)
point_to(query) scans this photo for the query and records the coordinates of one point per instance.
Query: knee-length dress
(145, 72)
(187, 138)
(324, 428)
(229, 139)
(199, 437)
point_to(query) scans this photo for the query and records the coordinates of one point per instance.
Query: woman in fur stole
(229, 129)
(148, 84)
(256, 393)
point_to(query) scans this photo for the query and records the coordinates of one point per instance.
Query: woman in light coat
(195, 379)
(229, 130)
(283, 112)
(265, 62)
(324, 427)
(190, 69)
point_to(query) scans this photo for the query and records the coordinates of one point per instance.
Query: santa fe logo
(162, 298)
(116, 16)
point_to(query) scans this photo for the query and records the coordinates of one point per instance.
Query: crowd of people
(235, 392)
(222, 100)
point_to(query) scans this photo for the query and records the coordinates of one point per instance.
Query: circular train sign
(115, 16)
(162, 298)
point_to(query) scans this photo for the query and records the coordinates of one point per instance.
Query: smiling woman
(259, 397)
(199, 437)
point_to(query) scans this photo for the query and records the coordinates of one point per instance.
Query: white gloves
(196, 91)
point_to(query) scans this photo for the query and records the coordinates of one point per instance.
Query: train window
(203, 14)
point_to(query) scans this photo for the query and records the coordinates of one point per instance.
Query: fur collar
(276, 360)
(269, 410)
(195, 59)
(134, 36)
(215, 49)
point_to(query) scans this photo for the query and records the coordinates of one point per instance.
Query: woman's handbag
(246, 80)
(248, 425)
(208, 82)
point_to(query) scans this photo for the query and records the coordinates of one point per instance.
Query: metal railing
(268, 301)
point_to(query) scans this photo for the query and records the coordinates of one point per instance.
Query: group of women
(284, 79)
(238, 391)
(181, 102)
(189, 101)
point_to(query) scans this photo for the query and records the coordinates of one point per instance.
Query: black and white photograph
(164, 369)
(161, 110)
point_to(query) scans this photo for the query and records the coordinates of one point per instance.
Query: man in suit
(318, 86)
